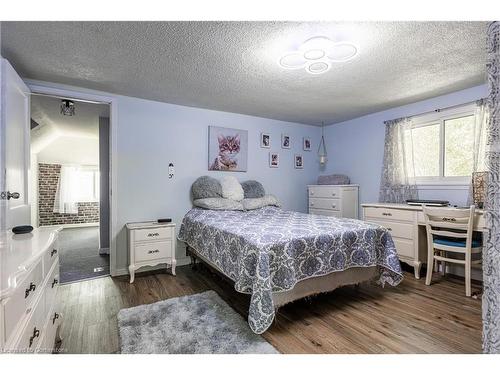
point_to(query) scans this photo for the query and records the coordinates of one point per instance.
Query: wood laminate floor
(409, 318)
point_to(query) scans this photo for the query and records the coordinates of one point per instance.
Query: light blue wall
(151, 134)
(356, 147)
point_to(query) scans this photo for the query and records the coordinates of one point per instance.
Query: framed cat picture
(227, 149)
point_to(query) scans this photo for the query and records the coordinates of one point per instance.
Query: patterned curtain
(491, 251)
(397, 183)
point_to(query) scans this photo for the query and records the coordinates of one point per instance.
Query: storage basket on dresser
(334, 200)
(29, 307)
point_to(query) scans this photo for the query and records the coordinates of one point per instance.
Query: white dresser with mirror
(29, 280)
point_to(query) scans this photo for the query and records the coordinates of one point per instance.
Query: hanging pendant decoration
(322, 154)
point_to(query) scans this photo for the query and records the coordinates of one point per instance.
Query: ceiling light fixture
(315, 55)
(67, 107)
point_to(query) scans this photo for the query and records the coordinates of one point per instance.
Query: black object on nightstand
(168, 220)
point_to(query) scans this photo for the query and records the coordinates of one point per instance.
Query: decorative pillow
(206, 187)
(218, 204)
(231, 188)
(253, 189)
(254, 203)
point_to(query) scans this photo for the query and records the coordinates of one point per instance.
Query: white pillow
(231, 188)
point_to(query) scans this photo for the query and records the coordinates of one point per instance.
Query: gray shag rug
(197, 324)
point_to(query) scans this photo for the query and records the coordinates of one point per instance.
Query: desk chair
(450, 231)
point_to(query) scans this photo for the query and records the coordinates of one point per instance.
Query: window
(443, 146)
(88, 185)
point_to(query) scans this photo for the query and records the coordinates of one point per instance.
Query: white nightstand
(150, 243)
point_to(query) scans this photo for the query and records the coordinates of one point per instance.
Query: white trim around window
(439, 118)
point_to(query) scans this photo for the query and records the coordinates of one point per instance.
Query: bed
(279, 256)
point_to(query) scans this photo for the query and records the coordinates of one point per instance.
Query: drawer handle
(155, 234)
(312, 192)
(334, 206)
(53, 252)
(333, 194)
(386, 214)
(312, 204)
(56, 316)
(54, 282)
(36, 333)
(153, 251)
(30, 289)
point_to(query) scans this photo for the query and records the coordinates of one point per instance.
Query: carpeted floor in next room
(79, 255)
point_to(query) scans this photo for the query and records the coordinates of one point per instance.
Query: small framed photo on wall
(274, 160)
(265, 140)
(299, 162)
(306, 143)
(285, 141)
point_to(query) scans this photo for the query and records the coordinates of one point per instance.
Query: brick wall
(48, 175)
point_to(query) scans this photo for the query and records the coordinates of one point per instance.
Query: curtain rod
(437, 110)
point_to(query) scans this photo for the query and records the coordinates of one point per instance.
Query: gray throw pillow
(206, 187)
(255, 203)
(218, 204)
(253, 189)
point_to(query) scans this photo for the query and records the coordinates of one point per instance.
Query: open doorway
(69, 181)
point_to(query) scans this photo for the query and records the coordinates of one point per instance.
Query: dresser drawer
(400, 230)
(33, 330)
(315, 211)
(153, 234)
(47, 341)
(325, 203)
(324, 191)
(388, 213)
(21, 302)
(405, 248)
(52, 288)
(154, 250)
(49, 258)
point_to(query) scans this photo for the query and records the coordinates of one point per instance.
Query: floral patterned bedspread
(270, 250)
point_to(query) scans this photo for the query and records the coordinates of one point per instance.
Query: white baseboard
(124, 271)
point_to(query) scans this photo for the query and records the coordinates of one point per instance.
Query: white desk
(407, 226)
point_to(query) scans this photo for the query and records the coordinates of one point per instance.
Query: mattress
(270, 250)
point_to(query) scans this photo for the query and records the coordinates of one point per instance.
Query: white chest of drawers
(334, 200)
(29, 306)
(150, 244)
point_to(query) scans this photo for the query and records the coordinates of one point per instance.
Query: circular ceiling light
(342, 51)
(314, 54)
(292, 60)
(318, 67)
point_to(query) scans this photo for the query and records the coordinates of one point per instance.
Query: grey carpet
(79, 254)
(197, 324)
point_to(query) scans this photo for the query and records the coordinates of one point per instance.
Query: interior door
(15, 157)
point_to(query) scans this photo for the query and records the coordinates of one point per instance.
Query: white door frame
(113, 127)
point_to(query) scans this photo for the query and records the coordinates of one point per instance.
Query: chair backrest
(454, 223)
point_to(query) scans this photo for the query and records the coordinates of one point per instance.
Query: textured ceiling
(232, 66)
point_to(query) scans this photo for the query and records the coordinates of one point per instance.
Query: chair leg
(468, 258)
(443, 264)
(430, 265)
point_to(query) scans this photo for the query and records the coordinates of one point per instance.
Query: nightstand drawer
(153, 234)
(325, 203)
(154, 250)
